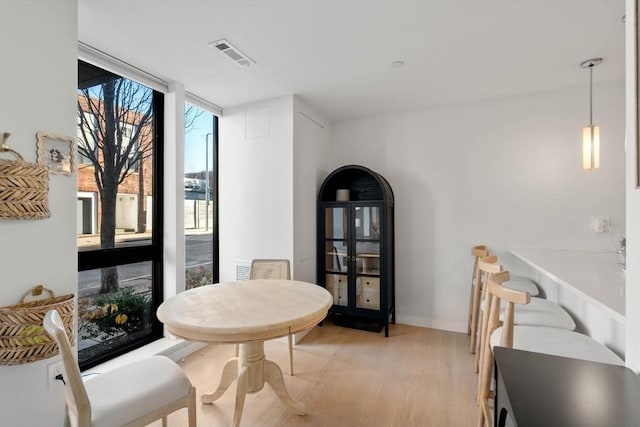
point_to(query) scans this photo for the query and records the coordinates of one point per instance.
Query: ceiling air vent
(232, 52)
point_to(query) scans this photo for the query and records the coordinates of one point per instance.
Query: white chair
(133, 395)
(270, 269)
(273, 269)
(545, 340)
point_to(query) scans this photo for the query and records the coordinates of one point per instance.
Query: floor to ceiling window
(119, 209)
(200, 197)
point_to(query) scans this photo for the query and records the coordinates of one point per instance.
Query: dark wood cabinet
(356, 247)
(536, 389)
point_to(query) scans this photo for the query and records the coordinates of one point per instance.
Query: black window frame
(214, 187)
(215, 266)
(112, 257)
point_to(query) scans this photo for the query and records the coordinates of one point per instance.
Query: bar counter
(590, 285)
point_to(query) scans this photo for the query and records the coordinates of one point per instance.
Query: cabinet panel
(369, 283)
(367, 222)
(369, 293)
(369, 300)
(336, 256)
(336, 223)
(368, 257)
(338, 286)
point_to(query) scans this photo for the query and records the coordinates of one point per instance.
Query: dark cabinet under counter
(535, 389)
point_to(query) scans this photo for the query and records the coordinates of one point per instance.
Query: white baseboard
(452, 326)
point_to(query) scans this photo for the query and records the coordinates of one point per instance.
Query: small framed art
(57, 152)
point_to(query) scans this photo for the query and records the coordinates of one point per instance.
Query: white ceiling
(337, 54)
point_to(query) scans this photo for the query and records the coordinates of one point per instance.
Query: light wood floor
(348, 377)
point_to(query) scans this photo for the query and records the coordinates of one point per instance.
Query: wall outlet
(53, 370)
(600, 224)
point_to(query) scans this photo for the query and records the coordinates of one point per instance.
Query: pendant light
(591, 133)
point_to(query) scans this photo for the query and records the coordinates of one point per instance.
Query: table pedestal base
(252, 370)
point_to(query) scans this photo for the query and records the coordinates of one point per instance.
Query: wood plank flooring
(347, 377)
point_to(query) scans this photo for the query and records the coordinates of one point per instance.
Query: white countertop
(595, 275)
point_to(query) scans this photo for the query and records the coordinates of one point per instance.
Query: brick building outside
(135, 192)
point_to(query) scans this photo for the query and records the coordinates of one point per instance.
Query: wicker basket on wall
(24, 187)
(22, 336)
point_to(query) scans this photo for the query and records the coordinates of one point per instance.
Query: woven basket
(24, 188)
(22, 336)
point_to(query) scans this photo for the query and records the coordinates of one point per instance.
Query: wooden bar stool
(558, 342)
(539, 312)
(480, 252)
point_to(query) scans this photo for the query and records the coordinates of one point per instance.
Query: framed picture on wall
(57, 152)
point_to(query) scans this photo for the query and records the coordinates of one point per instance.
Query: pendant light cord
(591, 95)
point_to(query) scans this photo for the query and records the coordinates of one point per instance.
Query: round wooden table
(248, 313)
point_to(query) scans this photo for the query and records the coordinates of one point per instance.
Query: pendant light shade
(591, 147)
(591, 133)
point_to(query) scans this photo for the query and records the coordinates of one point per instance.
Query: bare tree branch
(115, 133)
(191, 114)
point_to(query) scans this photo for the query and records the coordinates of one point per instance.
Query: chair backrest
(496, 293)
(486, 266)
(78, 406)
(478, 252)
(270, 269)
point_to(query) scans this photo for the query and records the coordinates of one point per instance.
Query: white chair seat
(519, 284)
(558, 342)
(522, 284)
(539, 312)
(133, 395)
(130, 392)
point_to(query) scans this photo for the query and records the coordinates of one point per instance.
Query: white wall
(633, 201)
(38, 88)
(273, 157)
(506, 173)
(255, 183)
(310, 168)
(174, 251)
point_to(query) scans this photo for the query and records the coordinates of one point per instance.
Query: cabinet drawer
(369, 284)
(335, 291)
(334, 280)
(337, 286)
(370, 299)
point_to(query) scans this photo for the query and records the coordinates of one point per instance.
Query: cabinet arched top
(363, 185)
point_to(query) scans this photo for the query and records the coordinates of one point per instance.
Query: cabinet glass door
(367, 254)
(336, 223)
(367, 222)
(337, 254)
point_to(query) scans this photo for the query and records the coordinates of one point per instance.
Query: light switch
(600, 224)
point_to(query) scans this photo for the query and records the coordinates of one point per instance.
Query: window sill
(174, 348)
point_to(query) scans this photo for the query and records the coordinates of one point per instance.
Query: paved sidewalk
(125, 238)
